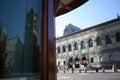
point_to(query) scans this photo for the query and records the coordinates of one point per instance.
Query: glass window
(98, 41)
(92, 60)
(64, 62)
(70, 62)
(117, 36)
(59, 50)
(69, 47)
(108, 39)
(82, 45)
(110, 58)
(77, 62)
(58, 63)
(90, 43)
(20, 35)
(64, 48)
(101, 59)
(76, 46)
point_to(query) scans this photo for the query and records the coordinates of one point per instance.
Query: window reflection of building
(35, 52)
(3, 55)
(14, 50)
(30, 45)
(98, 45)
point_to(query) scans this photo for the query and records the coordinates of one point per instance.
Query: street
(88, 76)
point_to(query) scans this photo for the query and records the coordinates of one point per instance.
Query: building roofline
(92, 27)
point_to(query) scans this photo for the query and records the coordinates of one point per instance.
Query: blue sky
(91, 13)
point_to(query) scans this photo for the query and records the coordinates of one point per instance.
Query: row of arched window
(108, 40)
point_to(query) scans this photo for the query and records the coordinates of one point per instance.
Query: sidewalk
(88, 71)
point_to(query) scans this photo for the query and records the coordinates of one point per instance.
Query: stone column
(73, 50)
(94, 44)
(113, 37)
(114, 68)
(85, 69)
(67, 49)
(79, 54)
(79, 49)
(86, 45)
(61, 51)
(103, 41)
(103, 70)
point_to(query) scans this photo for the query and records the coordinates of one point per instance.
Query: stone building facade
(95, 47)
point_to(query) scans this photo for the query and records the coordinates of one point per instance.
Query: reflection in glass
(20, 37)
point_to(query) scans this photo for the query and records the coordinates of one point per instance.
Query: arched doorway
(70, 62)
(84, 58)
(77, 64)
(84, 61)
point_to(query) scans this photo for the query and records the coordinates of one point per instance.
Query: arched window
(82, 45)
(76, 46)
(64, 48)
(108, 39)
(69, 47)
(98, 41)
(90, 43)
(117, 36)
(101, 59)
(110, 58)
(84, 61)
(58, 50)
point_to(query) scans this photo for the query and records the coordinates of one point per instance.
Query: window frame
(75, 46)
(83, 45)
(64, 48)
(98, 41)
(58, 50)
(108, 39)
(90, 43)
(69, 47)
(117, 36)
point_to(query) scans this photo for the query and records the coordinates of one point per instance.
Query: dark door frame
(48, 41)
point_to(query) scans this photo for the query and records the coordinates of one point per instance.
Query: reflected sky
(13, 15)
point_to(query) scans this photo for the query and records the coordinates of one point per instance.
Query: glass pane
(20, 35)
